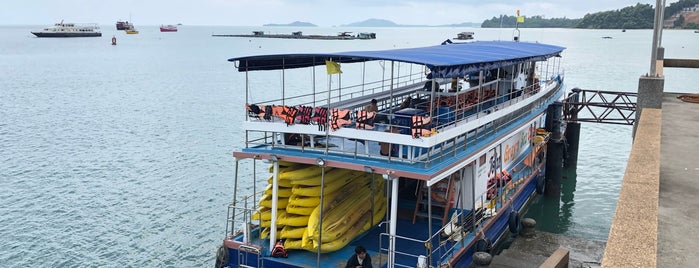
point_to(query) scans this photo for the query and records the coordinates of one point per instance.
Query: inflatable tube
(304, 201)
(357, 188)
(315, 190)
(302, 173)
(282, 182)
(514, 222)
(264, 233)
(264, 214)
(291, 208)
(540, 184)
(339, 228)
(293, 220)
(354, 231)
(286, 166)
(337, 219)
(266, 201)
(297, 244)
(330, 176)
(291, 232)
(281, 191)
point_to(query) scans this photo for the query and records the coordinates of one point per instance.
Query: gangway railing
(608, 107)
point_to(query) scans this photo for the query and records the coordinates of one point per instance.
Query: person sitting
(431, 85)
(407, 103)
(372, 107)
(388, 148)
(293, 139)
(360, 259)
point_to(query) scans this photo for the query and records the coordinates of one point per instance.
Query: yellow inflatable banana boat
(331, 175)
(281, 191)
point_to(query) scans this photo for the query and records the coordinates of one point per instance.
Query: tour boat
(442, 169)
(123, 25)
(168, 28)
(62, 29)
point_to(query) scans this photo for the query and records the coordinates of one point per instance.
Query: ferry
(437, 168)
(63, 29)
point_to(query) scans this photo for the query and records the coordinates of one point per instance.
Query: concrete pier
(657, 217)
(678, 208)
(533, 252)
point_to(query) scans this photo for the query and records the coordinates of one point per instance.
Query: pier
(656, 221)
(300, 35)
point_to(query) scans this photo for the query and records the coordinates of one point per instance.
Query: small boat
(464, 36)
(62, 29)
(430, 177)
(131, 30)
(168, 28)
(696, 31)
(123, 25)
(607, 37)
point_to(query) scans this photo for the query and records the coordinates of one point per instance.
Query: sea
(120, 155)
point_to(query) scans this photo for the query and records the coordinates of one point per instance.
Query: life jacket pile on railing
(463, 101)
(496, 182)
(312, 115)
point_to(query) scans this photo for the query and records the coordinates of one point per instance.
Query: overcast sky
(319, 12)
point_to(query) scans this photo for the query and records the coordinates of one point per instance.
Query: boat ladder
(441, 193)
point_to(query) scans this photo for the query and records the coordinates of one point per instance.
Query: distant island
(295, 24)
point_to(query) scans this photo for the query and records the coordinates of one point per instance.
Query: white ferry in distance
(62, 29)
(419, 156)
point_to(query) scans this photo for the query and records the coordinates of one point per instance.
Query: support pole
(392, 223)
(554, 155)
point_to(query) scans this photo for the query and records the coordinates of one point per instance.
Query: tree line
(640, 16)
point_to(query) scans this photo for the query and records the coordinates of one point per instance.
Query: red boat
(168, 28)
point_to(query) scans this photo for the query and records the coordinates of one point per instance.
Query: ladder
(442, 194)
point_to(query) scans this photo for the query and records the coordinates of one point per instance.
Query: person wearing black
(360, 259)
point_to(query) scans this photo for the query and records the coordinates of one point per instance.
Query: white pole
(392, 224)
(275, 194)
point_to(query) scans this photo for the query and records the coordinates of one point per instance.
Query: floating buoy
(113, 40)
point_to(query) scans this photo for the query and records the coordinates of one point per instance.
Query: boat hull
(67, 34)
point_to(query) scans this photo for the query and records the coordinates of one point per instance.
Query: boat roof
(452, 60)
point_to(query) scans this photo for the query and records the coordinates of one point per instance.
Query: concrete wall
(633, 236)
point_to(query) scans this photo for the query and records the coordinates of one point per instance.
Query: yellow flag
(332, 67)
(520, 19)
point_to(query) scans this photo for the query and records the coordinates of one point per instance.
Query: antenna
(515, 32)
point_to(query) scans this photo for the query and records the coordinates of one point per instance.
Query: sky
(324, 13)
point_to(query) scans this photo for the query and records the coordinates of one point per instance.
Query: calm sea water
(115, 156)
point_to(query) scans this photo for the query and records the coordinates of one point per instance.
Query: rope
(693, 98)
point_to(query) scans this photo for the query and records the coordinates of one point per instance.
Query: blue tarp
(451, 60)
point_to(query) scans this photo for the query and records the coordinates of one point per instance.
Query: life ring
(484, 245)
(540, 184)
(222, 256)
(514, 222)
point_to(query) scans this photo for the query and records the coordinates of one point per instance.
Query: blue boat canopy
(451, 60)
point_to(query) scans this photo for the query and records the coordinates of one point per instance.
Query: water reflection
(554, 213)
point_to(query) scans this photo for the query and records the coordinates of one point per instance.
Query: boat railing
(408, 150)
(355, 95)
(240, 213)
(400, 255)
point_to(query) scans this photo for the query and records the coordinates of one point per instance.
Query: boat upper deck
(434, 106)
